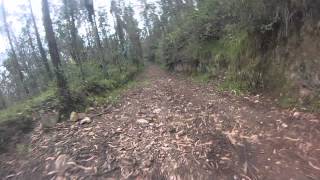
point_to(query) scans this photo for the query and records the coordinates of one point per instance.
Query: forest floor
(168, 127)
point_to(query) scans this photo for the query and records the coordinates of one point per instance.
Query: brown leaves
(181, 131)
(62, 164)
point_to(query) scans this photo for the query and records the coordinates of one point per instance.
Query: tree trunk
(33, 48)
(3, 104)
(89, 39)
(41, 49)
(120, 33)
(14, 55)
(63, 91)
(25, 67)
(33, 86)
(75, 49)
(97, 37)
(43, 85)
(92, 20)
(96, 32)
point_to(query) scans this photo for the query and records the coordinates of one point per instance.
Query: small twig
(246, 177)
(291, 139)
(314, 166)
(106, 111)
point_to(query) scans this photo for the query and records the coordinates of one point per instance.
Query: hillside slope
(270, 46)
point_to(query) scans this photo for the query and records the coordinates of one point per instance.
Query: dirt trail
(171, 128)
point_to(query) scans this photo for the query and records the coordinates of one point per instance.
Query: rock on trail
(172, 128)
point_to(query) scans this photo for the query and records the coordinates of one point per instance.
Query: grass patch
(22, 148)
(201, 77)
(309, 104)
(112, 89)
(25, 108)
(235, 87)
(17, 119)
(288, 102)
(111, 97)
(95, 88)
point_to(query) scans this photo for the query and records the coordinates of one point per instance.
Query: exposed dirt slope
(171, 128)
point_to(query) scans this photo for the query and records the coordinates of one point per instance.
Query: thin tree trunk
(96, 33)
(3, 104)
(33, 48)
(75, 49)
(40, 46)
(97, 40)
(22, 56)
(34, 56)
(88, 37)
(34, 87)
(14, 55)
(92, 20)
(64, 94)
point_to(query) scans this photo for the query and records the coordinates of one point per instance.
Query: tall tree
(70, 6)
(131, 26)
(92, 19)
(145, 14)
(40, 46)
(32, 46)
(3, 103)
(119, 25)
(63, 91)
(103, 24)
(21, 46)
(91, 16)
(13, 51)
(151, 42)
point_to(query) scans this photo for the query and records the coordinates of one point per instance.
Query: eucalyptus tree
(89, 6)
(103, 26)
(13, 84)
(16, 65)
(63, 90)
(131, 27)
(70, 7)
(26, 61)
(147, 9)
(119, 25)
(43, 54)
(3, 103)
(34, 57)
(92, 19)
(31, 44)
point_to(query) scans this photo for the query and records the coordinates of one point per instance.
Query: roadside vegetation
(75, 63)
(250, 46)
